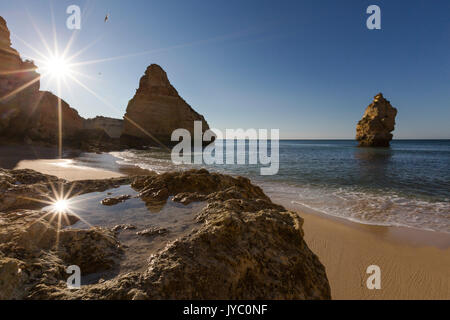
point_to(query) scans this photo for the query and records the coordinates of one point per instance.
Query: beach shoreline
(411, 268)
(414, 263)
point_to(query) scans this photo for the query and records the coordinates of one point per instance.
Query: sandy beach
(44, 160)
(414, 264)
(407, 271)
(66, 169)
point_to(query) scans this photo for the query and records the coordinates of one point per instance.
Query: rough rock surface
(244, 247)
(157, 108)
(375, 127)
(35, 252)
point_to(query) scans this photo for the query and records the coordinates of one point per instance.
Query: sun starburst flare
(61, 210)
(61, 206)
(57, 67)
(61, 68)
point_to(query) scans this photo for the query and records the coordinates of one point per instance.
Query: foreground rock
(243, 247)
(156, 110)
(35, 252)
(374, 129)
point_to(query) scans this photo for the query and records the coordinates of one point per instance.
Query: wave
(379, 206)
(366, 207)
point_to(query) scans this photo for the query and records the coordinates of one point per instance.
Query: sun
(57, 67)
(61, 206)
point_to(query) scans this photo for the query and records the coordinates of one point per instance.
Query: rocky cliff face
(25, 112)
(157, 110)
(112, 127)
(375, 127)
(14, 73)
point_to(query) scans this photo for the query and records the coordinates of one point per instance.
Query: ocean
(405, 185)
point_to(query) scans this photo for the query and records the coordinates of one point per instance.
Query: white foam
(380, 208)
(375, 207)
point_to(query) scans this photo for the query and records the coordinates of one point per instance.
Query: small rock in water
(188, 197)
(374, 129)
(153, 231)
(120, 227)
(116, 200)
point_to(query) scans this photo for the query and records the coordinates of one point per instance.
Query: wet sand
(414, 264)
(11, 155)
(74, 165)
(66, 169)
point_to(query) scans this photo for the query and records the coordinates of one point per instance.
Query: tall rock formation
(375, 127)
(156, 110)
(14, 73)
(25, 112)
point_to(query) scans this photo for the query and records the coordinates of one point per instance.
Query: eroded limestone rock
(36, 251)
(243, 247)
(374, 129)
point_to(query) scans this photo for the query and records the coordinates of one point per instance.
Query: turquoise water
(405, 185)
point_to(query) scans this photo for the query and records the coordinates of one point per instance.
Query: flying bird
(107, 17)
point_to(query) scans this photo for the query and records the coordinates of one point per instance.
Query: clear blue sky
(309, 68)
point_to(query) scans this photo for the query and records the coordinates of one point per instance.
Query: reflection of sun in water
(61, 206)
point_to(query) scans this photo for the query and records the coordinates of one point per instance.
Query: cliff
(25, 112)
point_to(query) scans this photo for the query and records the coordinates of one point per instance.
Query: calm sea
(405, 185)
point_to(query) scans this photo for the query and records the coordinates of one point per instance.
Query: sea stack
(375, 127)
(155, 111)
